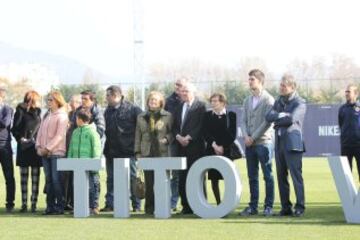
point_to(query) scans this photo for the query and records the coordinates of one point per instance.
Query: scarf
(154, 116)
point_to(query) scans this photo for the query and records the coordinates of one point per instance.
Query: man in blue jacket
(349, 123)
(288, 115)
(6, 161)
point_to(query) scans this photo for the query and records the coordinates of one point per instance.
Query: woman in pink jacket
(51, 145)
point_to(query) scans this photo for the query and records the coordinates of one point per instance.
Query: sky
(99, 33)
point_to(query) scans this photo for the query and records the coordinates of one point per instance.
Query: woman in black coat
(219, 133)
(25, 127)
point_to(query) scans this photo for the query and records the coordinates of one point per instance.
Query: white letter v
(344, 181)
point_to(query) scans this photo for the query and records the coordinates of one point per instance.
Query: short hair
(90, 93)
(156, 93)
(183, 79)
(84, 114)
(58, 98)
(115, 90)
(30, 99)
(258, 74)
(222, 97)
(355, 87)
(289, 80)
(3, 92)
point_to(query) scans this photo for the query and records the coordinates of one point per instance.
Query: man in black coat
(120, 117)
(349, 123)
(172, 103)
(188, 134)
(6, 160)
(288, 115)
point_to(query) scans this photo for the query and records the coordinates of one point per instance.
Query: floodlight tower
(139, 66)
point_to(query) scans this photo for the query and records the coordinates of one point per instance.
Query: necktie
(185, 114)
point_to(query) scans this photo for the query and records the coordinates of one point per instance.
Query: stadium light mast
(139, 66)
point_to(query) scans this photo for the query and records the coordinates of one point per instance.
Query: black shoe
(68, 208)
(23, 209)
(107, 209)
(285, 212)
(268, 212)
(59, 212)
(136, 210)
(49, 212)
(52, 211)
(248, 211)
(186, 212)
(9, 209)
(298, 213)
(33, 208)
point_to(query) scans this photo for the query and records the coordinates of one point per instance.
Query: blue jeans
(54, 191)
(94, 189)
(174, 184)
(254, 155)
(109, 197)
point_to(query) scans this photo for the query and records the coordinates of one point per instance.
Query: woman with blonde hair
(25, 128)
(152, 139)
(51, 145)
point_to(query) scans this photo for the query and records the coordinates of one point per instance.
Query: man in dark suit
(188, 134)
(288, 115)
(6, 155)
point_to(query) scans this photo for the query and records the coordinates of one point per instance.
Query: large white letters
(195, 192)
(349, 196)
(161, 167)
(121, 187)
(81, 168)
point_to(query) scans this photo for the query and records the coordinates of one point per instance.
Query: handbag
(235, 150)
(138, 185)
(31, 141)
(26, 145)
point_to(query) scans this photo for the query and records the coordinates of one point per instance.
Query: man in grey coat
(258, 141)
(288, 115)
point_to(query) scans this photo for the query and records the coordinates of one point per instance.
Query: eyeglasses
(50, 99)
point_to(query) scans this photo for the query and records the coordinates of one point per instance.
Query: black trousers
(149, 193)
(67, 179)
(7, 165)
(350, 153)
(289, 161)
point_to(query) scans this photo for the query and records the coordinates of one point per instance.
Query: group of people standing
(285, 115)
(188, 130)
(179, 125)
